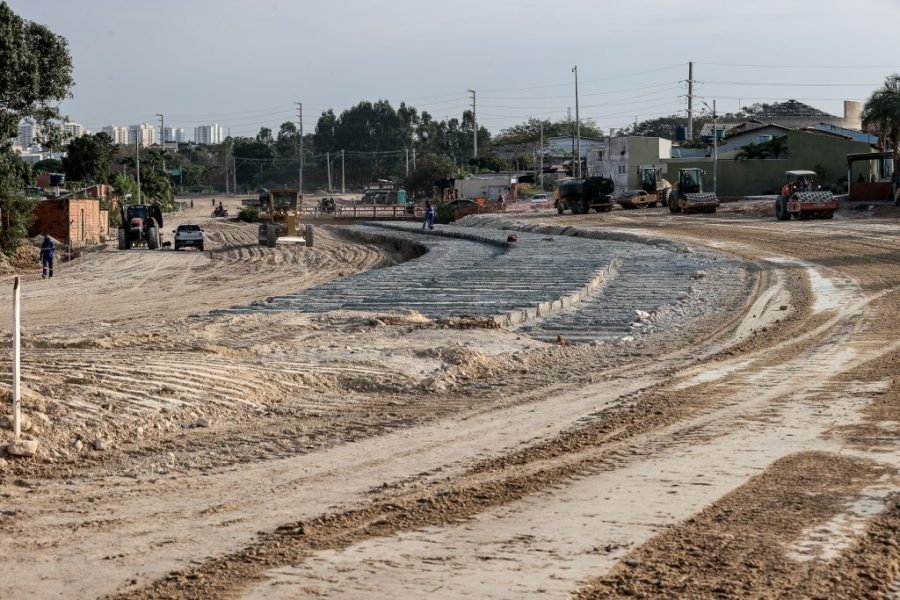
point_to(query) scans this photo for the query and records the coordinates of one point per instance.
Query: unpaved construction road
(741, 438)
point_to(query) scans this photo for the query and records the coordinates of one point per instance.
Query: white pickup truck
(188, 235)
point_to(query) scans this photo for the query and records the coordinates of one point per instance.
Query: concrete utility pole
(343, 185)
(414, 159)
(407, 162)
(328, 162)
(690, 127)
(577, 124)
(162, 138)
(300, 119)
(541, 176)
(715, 151)
(137, 165)
(474, 130)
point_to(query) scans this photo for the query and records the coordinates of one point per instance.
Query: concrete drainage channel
(543, 285)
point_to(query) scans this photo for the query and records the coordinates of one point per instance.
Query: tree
(773, 148)
(35, 72)
(88, 158)
(48, 165)
(430, 169)
(882, 112)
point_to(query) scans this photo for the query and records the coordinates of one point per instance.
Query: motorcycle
(220, 212)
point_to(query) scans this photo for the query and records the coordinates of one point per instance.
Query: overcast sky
(245, 63)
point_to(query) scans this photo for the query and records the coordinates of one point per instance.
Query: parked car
(540, 198)
(188, 235)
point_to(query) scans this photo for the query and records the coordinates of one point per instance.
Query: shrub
(250, 214)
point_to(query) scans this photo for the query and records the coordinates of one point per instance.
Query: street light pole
(300, 118)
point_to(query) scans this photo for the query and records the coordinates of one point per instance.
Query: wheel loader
(141, 224)
(687, 196)
(799, 199)
(581, 195)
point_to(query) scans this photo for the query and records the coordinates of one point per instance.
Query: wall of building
(755, 177)
(623, 156)
(78, 221)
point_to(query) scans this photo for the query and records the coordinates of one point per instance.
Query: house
(79, 222)
(751, 132)
(620, 158)
(488, 186)
(805, 149)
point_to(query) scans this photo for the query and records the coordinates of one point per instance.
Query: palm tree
(882, 111)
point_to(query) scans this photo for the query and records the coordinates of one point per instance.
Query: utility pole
(162, 137)
(137, 166)
(715, 151)
(474, 131)
(328, 162)
(227, 176)
(414, 158)
(343, 185)
(577, 124)
(690, 129)
(407, 162)
(300, 118)
(541, 176)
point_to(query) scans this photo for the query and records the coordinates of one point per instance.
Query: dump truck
(687, 196)
(581, 195)
(279, 215)
(800, 199)
(140, 226)
(654, 190)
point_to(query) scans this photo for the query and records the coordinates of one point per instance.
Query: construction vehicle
(140, 226)
(654, 190)
(278, 215)
(687, 196)
(799, 199)
(581, 195)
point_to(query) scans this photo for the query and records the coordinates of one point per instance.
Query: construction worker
(429, 216)
(48, 248)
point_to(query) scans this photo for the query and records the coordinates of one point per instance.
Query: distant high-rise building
(28, 133)
(73, 130)
(119, 135)
(209, 134)
(143, 134)
(174, 134)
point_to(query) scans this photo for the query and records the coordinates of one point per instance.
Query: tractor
(141, 224)
(581, 195)
(654, 190)
(687, 195)
(799, 198)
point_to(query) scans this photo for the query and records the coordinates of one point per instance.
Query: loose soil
(754, 453)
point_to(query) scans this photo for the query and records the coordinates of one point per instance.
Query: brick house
(78, 221)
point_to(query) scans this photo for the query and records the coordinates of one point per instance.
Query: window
(762, 139)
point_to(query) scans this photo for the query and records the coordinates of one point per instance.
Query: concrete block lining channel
(545, 285)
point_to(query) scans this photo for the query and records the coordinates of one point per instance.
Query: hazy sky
(245, 63)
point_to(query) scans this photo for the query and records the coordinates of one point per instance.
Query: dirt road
(349, 455)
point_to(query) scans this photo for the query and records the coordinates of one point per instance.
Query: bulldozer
(687, 196)
(799, 199)
(581, 195)
(141, 224)
(654, 190)
(279, 215)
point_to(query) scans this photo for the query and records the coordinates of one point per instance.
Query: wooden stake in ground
(16, 341)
